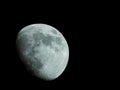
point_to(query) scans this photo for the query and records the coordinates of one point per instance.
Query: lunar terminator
(43, 50)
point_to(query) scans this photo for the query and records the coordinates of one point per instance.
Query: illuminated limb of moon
(44, 50)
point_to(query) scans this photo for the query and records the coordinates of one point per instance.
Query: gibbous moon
(43, 50)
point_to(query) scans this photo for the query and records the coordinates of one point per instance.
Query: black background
(82, 26)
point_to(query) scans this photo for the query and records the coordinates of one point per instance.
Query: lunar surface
(43, 50)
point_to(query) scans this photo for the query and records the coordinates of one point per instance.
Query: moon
(43, 50)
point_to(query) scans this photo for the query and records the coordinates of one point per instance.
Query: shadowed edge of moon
(46, 40)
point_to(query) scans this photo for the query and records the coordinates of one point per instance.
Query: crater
(34, 62)
(38, 37)
(26, 29)
(54, 31)
(47, 40)
(58, 40)
(23, 42)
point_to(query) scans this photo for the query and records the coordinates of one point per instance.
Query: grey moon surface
(43, 50)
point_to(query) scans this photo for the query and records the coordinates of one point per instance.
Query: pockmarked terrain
(43, 49)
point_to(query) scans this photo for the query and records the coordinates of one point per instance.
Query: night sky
(81, 27)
